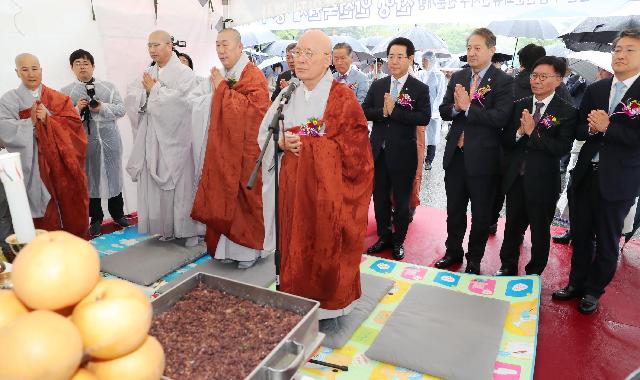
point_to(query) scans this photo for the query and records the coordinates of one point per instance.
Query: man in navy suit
(396, 104)
(479, 100)
(541, 132)
(606, 178)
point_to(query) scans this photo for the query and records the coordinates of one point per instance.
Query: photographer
(99, 105)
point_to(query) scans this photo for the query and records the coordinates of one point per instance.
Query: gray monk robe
(162, 161)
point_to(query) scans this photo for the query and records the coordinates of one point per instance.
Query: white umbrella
(372, 41)
(586, 63)
(557, 50)
(542, 29)
(253, 35)
(270, 61)
(536, 28)
(278, 47)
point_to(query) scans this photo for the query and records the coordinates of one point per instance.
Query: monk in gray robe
(161, 161)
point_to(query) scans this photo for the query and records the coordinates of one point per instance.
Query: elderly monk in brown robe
(45, 128)
(326, 183)
(231, 212)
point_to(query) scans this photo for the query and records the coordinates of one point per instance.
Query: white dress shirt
(546, 102)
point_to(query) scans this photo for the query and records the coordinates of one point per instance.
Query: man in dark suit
(606, 178)
(396, 104)
(479, 100)
(541, 132)
(283, 79)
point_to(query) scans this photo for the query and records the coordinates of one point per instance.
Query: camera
(85, 113)
(178, 43)
(91, 93)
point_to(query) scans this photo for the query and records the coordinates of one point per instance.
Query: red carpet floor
(605, 345)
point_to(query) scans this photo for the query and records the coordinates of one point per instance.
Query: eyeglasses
(394, 57)
(306, 53)
(81, 64)
(620, 50)
(542, 77)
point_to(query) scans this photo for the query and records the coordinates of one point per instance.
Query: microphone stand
(274, 132)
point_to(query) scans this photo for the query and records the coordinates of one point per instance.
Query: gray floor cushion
(443, 333)
(148, 261)
(339, 330)
(262, 273)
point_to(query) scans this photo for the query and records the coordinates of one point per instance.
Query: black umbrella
(597, 33)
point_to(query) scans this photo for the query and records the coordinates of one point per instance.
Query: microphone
(286, 95)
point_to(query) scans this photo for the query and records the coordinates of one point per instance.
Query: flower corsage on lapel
(547, 123)
(314, 127)
(404, 100)
(352, 86)
(480, 93)
(631, 109)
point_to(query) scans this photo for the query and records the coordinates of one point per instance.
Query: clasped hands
(527, 125)
(216, 77)
(598, 121)
(389, 105)
(290, 142)
(461, 99)
(148, 82)
(38, 113)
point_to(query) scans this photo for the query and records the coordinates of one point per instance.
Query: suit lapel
(631, 93)
(604, 100)
(407, 85)
(551, 108)
(487, 78)
(466, 79)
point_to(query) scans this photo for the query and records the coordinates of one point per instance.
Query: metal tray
(292, 351)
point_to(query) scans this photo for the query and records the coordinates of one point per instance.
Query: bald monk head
(29, 71)
(229, 47)
(160, 47)
(312, 56)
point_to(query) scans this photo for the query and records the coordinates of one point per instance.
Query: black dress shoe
(122, 222)
(493, 229)
(564, 238)
(448, 261)
(588, 304)
(472, 268)
(566, 293)
(95, 229)
(507, 272)
(379, 246)
(398, 252)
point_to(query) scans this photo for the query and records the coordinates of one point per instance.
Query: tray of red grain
(215, 328)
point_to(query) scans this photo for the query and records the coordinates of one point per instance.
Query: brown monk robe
(326, 183)
(222, 202)
(57, 187)
(415, 194)
(62, 148)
